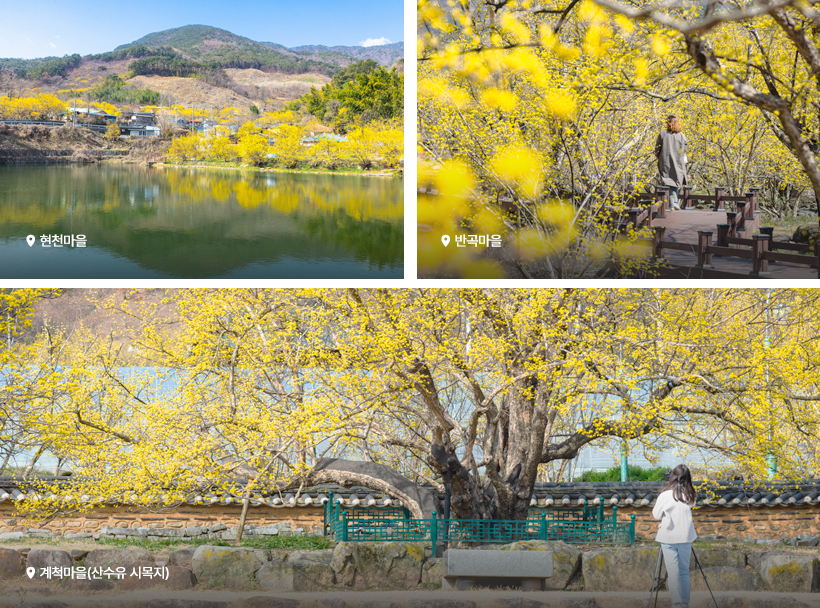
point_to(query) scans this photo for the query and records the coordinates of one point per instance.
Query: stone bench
(463, 567)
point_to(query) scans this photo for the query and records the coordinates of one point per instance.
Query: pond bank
(45, 156)
(240, 167)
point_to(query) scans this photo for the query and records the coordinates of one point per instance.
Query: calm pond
(172, 222)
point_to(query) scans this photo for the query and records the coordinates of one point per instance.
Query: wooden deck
(683, 227)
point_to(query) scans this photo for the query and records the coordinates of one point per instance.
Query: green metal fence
(575, 526)
(333, 511)
(583, 513)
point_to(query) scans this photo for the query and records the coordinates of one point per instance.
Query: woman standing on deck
(670, 149)
(676, 531)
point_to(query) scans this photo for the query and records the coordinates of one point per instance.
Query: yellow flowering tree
(24, 374)
(538, 122)
(43, 106)
(219, 144)
(186, 147)
(362, 144)
(506, 383)
(253, 148)
(287, 145)
(112, 131)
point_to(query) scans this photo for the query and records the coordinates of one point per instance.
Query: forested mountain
(191, 39)
(205, 47)
(191, 49)
(385, 54)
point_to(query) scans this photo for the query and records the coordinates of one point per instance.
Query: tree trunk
(420, 501)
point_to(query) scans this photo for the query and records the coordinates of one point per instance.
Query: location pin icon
(30, 571)
(445, 239)
(30, 239)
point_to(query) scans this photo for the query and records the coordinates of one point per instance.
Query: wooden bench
(464, 567)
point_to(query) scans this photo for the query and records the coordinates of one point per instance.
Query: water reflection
(198, 223)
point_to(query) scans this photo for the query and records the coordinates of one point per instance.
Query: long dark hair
(680, 482)
(673, 124)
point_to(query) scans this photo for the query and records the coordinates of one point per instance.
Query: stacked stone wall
(735, 523)
(309, 518)
(738, 523)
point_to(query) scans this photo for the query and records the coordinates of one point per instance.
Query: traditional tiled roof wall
(546, 495)
(14, 489)
(736, 511)
(644, 494)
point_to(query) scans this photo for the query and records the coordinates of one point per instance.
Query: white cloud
(54, 46)
(374, 42)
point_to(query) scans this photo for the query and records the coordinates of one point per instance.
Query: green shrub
(635, 473)
(301, 542)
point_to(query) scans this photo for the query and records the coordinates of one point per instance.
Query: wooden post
(633, 217)
(719, 190)
(760, 266)
(817, 253)
(686, 192)
(723, 233)
(662, 196)
(731, 219)
(750, 205)
(704, 242)
(657, 241)
(659, 200)
(741, 216)
(756, 195)
(768, 231)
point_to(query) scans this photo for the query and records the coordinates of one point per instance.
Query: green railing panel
(387, 530)
(580, 525)
(332, 513)
(584, 513)
(489, 531)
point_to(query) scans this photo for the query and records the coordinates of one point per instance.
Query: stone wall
(738, 523)
(309, 518)
(734, 523)
(379, 566)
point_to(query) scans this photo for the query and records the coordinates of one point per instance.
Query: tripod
(656, 581)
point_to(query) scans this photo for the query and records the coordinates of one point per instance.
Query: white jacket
(676, 520)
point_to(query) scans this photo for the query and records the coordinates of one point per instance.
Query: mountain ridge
(201, 42)
(197, 63)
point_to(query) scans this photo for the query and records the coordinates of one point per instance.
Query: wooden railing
(637, 209)
(760, 249)
(719, 199)
(649, 205)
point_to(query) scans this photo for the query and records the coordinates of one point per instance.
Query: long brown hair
(680, 482)
(672, 124)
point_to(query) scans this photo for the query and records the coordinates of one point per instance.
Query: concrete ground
(40, 597)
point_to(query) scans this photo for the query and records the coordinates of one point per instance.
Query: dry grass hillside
(285, 87)
(35, 137)
(261, 86)
(187, 91)
(84, 76)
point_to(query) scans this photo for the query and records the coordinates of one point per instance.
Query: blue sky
(43, 28)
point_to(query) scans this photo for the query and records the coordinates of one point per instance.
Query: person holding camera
(676, 531)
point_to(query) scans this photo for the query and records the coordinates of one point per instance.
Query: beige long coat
(670, 150)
